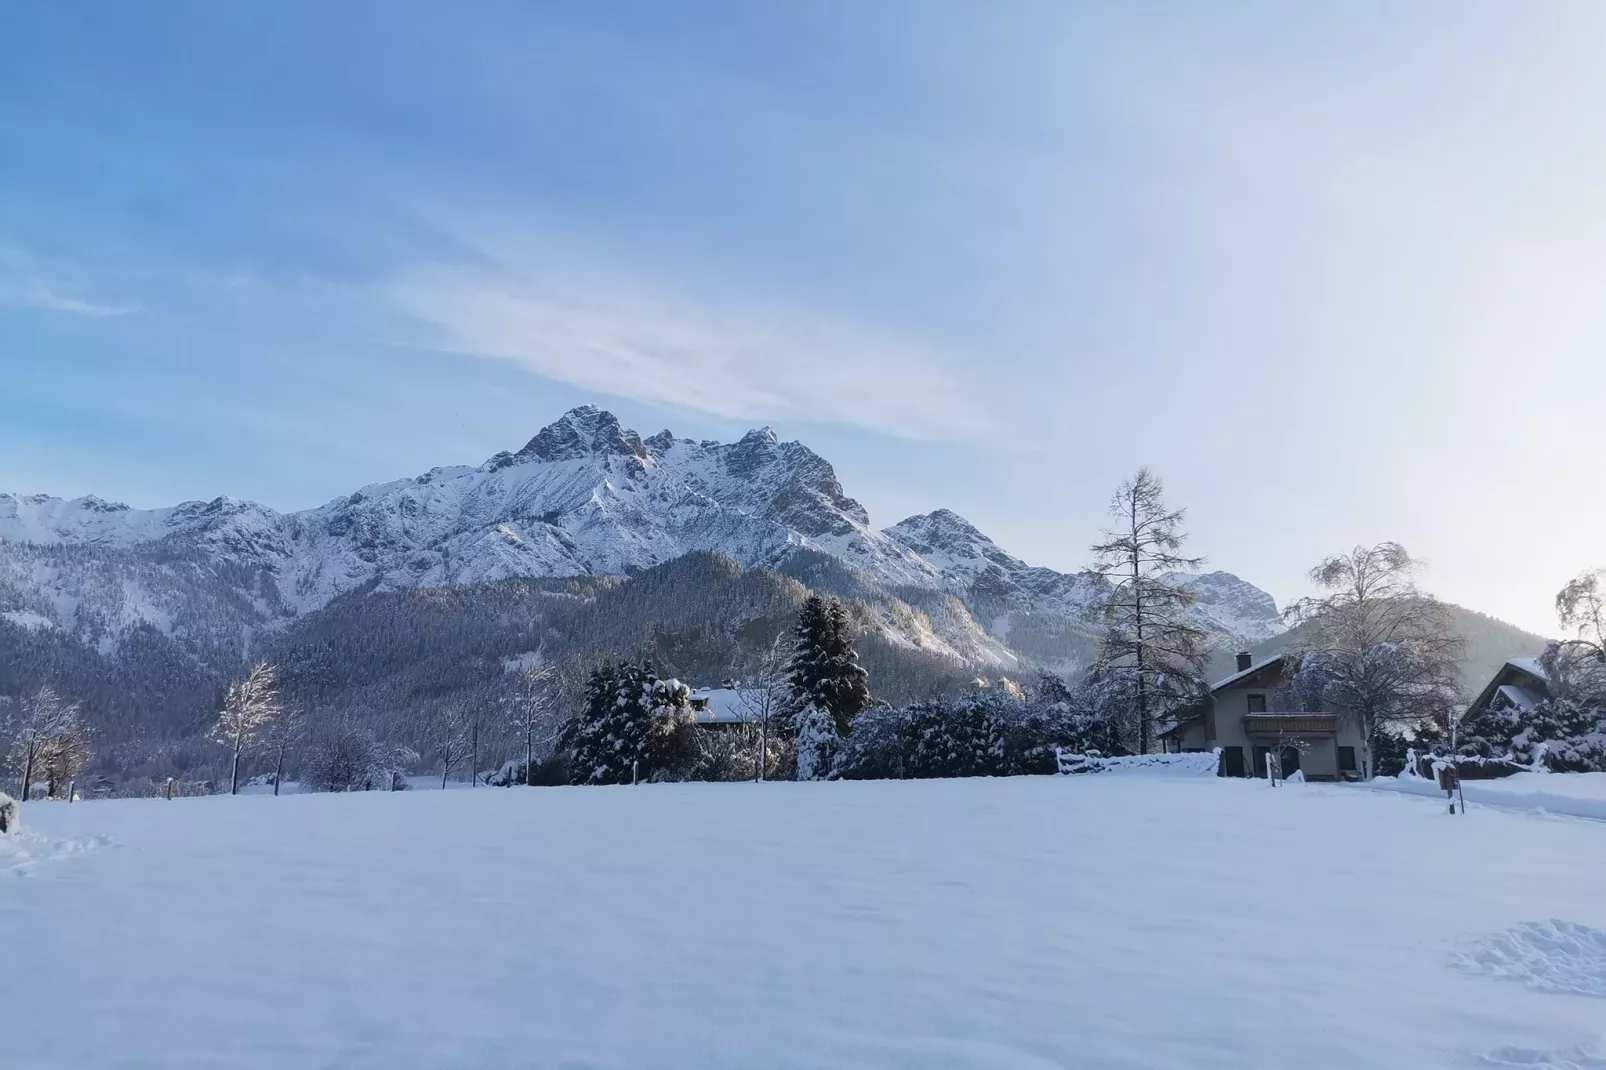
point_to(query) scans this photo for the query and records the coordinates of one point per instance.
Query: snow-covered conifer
(817, 742)
(825, 672)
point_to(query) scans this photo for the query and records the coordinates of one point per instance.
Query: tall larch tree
(1150, 645)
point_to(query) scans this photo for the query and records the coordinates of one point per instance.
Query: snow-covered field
(1571, 794)
(1093, 921)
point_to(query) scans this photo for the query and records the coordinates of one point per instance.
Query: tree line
(1370, 644)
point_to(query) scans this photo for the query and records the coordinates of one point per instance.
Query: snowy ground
(1093, 921)
(1569, 794)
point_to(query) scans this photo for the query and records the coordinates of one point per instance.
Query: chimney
(1245, 660)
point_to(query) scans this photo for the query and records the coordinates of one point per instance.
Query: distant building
(720, 707)
(1243, 718)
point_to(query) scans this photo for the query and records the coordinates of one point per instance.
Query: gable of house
(1519, 683)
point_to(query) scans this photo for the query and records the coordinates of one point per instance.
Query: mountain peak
(584, 431)
(941, 527)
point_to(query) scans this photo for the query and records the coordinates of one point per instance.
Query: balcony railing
(1291, 724)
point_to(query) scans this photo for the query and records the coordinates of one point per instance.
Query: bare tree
(532, 711)
(1384, 649)
(249, 706)
(345, 755)
(65, 754)
(46, 723)
(455, 735)
(1581, 605)
(282, 735)
(1149, 639)
(766, 701)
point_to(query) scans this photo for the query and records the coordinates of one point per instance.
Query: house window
(1260, 760)
(1257, 703)
(1346, 760)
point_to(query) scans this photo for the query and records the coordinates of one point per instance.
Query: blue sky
(1339, 276)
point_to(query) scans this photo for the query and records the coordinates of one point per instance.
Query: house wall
(1232, 705)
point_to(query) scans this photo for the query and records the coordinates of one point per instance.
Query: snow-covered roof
(1530, 666)
(1244, 674)
(1520, 697)
(720, 705)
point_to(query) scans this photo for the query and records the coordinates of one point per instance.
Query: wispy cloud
(33, 292)
(738, 363)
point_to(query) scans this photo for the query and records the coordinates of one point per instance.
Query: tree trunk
(474, 757)
(763, 747)
(445, 768)
(529, 754)
(27, 773)
(278, 771)
(234, 776)
(1137, 619)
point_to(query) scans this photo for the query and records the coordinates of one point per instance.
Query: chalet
(1520, 684)
(1246, 715)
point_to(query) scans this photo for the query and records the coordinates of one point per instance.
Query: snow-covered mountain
(583, 497)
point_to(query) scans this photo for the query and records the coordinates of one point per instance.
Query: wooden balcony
(1291, 724)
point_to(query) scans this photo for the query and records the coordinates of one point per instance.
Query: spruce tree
(631, 727)
(809, 640)
(845, 684)
(825, 672)
(607, 738)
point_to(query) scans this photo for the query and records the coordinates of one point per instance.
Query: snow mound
(25, 850)
(1203, 764)
(1547, 956)
(1566, 794)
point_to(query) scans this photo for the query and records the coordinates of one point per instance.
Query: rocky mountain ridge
(585, 497)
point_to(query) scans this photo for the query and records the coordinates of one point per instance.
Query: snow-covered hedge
(8, 814)
(1205, 763)
(987, 734)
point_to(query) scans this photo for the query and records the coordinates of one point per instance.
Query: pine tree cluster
(1565, 732)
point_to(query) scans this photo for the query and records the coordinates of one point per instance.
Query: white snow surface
(1569, 794)
(1036, 922)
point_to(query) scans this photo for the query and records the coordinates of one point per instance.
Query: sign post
(1450, 784)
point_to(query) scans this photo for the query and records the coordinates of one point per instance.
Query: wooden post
(1450, 783)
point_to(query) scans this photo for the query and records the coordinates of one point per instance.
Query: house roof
(1530, 666)
(721, 705)
(1525, 692)
(1239, 677)
(1520, 697)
